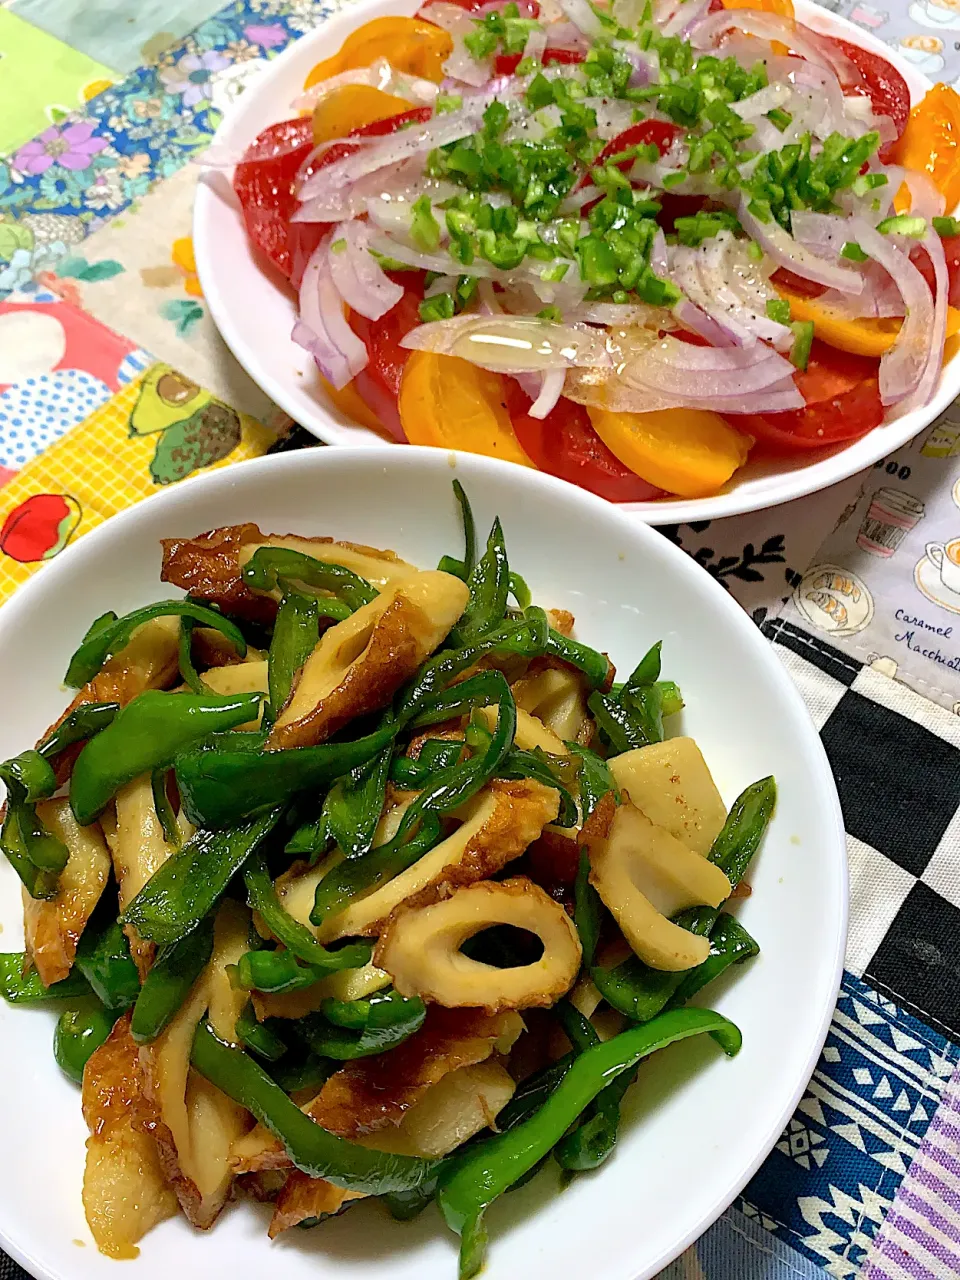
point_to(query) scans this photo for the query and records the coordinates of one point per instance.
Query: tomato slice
(379, 383)
(565, 445)
(842, 392)
(505, 64)
(951, 251)
(265, 186)
(882, 83)
(660, 132)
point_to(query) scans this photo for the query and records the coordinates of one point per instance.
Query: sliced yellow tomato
(861, 337)
(689, 452)
(348, 401)
(410, 45)
(350, 107)
(449, 402)
(931, 144)
(782, 8)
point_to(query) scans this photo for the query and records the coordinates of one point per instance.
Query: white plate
(254, 308)
(698, 1124)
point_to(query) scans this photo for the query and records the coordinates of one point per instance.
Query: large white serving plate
(254, 308)
(697, 1124)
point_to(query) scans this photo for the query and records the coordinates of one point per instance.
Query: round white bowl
(697, 1125)
(254, 308)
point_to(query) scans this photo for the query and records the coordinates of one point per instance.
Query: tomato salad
(629, 245)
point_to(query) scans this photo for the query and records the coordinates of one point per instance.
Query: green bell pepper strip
(109, 634)
(588, 1144)
(313, 1150)
(491, 1167)
(220, 786)
(633, 715)
(79, 1034)
(148, 734)
(448, 789)
(580, 1031)
(730, 944)
(596, 666)
(161, 802)
(295, 635)
(296, 937)
(354, 804)
(186, 888)
(449, 564)
(310, 1073)
(188, 671)
(436, 754)
(532, 1093)
(387, 1021)
(671, 699)
(520, 591)
(277, 972)
(271, 568)
(587, 910)
(103, 957)
(79, 725)
(489, 585)
(641, 992)
(167, 985)
(259, 1038)
(37, 856)
(595, 778)
(21, 985)
(552, 771)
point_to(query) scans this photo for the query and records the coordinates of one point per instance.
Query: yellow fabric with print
(152, 433)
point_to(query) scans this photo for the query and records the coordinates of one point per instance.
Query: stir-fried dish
(628, 244)
(361, 880)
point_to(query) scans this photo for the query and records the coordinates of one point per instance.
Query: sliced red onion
(576, 200)
(764, 100)
(381, 153)
(623, 315)
(489, 305)
(322, 327)
(808, 75)
(786, 252)
(858, 109)
(606, 391)
(564, 35)
(752, 22)
(925, 200)
(676, 368)
(358, 277)
(581, 14)
(880, 299)
(902, 368)
(659, 257)
(536, 44)
(825, 233)
(512, 344)
(458, 23)
(613, 116)
(731, 289)
(551, 389)
(697, 321)
(931, 375)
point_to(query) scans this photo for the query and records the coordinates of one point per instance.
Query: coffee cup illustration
(945, 556)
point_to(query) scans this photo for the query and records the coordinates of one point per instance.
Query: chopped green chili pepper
(270, 568)
(79, 725)
(633, 715)
(354, 804)
(730, 944)
(641, 992)
(37, 856)
(109, 634)
(103, 957)
(190, 884)
(671, 697)
(78, 1035)
(167, 985)
(547, 769)
(259, 1038)
(223, 784)
(277, 972)
(580, 1031)
(435, 754)
(309, 1073)
(588, 910)
(313, 1150)
(20, 984)
(148, 734)
(161, 802)
(295, 635)
(595, 778)
(361, 1028)
(489, 1168)
(296, 937)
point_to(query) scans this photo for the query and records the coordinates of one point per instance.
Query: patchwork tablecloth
(113, 382)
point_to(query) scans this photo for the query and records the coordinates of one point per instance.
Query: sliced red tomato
(951, 251)
(379, 383)
(265, 186)
(505, 64)
(881, 82)
(527, 8)
(842, 392)
(660, 132)
(565, 445)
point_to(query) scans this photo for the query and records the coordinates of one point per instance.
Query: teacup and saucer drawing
(937, 575)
